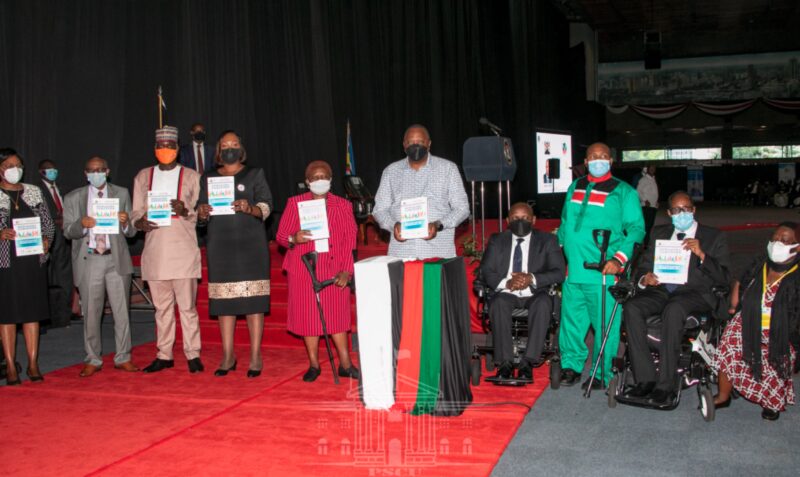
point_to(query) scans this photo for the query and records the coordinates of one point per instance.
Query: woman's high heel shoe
(253, 373)
(17, 381)
(224, 372)
(34, 377)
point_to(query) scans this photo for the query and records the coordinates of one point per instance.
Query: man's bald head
(598, 150)
(96, 164)
(521, 211)
(414, 130)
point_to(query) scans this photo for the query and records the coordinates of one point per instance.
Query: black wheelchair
(701, 334)
(519, 330)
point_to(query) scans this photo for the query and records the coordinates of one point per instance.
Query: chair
(519, 339)
(701, 333)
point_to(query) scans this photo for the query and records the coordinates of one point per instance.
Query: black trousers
(539, 306)
(59, 278)
(674, 309)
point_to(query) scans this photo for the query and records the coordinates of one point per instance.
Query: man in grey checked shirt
(422, 174)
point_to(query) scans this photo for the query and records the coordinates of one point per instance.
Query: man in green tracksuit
(596, 201)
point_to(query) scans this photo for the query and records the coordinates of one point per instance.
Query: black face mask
(199, 136)
(416, 152)
(230, 156)
(519, 227)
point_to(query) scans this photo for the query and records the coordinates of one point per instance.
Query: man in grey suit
(101, 263)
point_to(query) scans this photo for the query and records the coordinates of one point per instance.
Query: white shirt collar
(690, 232)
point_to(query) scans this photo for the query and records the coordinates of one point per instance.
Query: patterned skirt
(771, 392)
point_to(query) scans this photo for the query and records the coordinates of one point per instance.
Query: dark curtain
(79, 78)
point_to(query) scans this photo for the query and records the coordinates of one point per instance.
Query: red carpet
(116, 423)
(174, 423)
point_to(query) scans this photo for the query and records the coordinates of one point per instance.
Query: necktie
(100, 240)
(199, 159)
(671, 287)
(56, 199)
(517, 266)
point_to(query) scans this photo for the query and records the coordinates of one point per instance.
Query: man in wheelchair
(520, 265)
(708, 268)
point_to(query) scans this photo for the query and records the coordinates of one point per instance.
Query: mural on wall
(716, 78)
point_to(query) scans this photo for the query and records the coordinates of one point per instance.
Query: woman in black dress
(238, 251)
(23, 280)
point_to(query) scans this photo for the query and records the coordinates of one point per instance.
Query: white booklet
(414, 218)
(29, 236)
(221, 195)
(106, 216)
(159, 207)
(671, 264)
(314, 218)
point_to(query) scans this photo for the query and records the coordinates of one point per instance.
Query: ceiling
(688, 28)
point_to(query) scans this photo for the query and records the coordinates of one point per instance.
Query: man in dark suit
(709, 266)
(520, 264)
(198, 155)
(59, 268)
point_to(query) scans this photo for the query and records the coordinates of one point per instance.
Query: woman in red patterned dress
(336, 261)
(756, 355)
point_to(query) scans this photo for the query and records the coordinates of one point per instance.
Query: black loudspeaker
(554, 168)
(489, 158)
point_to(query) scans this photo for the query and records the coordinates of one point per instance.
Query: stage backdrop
(79, 78)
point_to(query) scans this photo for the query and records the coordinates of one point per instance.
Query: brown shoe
(89, 370)
(127, 366)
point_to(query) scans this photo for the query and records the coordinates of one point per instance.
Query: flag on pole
(350, 162)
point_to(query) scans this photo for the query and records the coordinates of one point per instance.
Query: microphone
(494, 127)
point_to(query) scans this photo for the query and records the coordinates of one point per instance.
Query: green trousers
(580, 309)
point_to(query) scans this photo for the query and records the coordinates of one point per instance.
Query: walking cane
(310, 261)
(601, 238)
(621, 292)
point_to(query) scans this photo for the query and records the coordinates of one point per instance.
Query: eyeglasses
(678, 210)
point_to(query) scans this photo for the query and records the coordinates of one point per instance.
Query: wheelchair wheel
(612, 391)
(475, 371)
(489, 362)
(707, 408)
(555, 374)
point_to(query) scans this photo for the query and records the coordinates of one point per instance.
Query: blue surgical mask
(599, 167)
(51, 174)
(683, 221)
(97, 179)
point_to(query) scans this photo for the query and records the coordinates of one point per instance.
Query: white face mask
(320, 187)
(13, 175)
(779, 252)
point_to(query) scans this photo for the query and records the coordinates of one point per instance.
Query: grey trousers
(101, 278)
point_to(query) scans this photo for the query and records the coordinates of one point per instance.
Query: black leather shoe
(569, 377)
(159, 365)
(195, 365)
(351, 372)
(770, 415)
(525, 372)
(504, 371)
(723, 404)
(642, 389)
(311, 375)
(597, 384)
(661, 396)
(224, 372)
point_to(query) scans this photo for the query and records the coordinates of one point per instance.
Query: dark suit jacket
(715, 269)
(187, 159)
(48, 198)
(545, 259)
